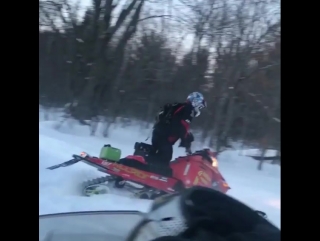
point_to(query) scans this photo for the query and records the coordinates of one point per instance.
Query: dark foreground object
(197, 214)
(205, 215)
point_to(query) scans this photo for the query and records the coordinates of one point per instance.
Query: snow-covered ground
(59, 190)
(257, 152)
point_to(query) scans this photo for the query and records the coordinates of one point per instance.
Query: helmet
(197, 101)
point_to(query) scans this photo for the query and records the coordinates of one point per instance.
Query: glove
(190, 137)
(186, 142)
(188, 151)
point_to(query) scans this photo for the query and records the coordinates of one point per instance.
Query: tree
(122, 60)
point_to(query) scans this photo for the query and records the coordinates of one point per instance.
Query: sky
(187, 43)
(155, 9)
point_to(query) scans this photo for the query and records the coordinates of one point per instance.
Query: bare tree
(122, 60)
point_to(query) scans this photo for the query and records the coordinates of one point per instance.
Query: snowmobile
(141, 174)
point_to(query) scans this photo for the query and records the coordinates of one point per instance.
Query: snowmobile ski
(63, 164)
(68, 163)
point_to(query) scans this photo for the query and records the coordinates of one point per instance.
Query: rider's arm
(162, 111)
(183, 120)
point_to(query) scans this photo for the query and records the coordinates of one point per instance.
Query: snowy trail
(59, 190)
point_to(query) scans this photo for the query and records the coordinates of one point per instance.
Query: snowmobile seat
(160, 169)
(146, 151)
(142, 149)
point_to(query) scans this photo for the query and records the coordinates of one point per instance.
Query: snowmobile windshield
(88, 226)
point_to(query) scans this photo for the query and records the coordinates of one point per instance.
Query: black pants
(162, 147)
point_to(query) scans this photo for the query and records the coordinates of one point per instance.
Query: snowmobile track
(136, 192)
(95, 181)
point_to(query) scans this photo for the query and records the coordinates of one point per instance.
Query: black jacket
(173, 123)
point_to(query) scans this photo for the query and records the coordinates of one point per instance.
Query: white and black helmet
(198, 102)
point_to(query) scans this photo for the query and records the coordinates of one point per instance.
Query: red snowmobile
(154, 179)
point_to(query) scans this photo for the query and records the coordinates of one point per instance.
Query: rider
(172, 123)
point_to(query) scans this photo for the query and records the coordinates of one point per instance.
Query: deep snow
(59, 190)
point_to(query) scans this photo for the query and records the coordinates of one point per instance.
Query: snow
(257, 152)
(59, 190)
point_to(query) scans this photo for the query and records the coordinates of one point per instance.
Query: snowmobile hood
(90, 225)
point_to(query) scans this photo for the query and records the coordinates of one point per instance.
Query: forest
(119, 61)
